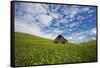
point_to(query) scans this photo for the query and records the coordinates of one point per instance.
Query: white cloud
(85, 9)
(80, 18)
(73, 24)
(90, 11)
(28, 18)
(82, 36)
(93, 31)
(77, 37)
(54, 15)
(72, 12)
(22, 26)
(45, 19)
(39, 8)
(75, 10)
(57, 31)
(33, 8)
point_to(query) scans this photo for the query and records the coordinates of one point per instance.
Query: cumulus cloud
(82, 36)
(22, 26)
(77, 37)
(72, 12)
(85, 9)
(45, 19)
(93, 31)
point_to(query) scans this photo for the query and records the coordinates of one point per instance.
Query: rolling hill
(33, 50)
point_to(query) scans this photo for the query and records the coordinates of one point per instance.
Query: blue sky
(75, 23)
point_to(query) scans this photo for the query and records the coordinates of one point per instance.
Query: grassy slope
(32, 50)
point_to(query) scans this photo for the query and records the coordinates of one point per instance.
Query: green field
(33, 50)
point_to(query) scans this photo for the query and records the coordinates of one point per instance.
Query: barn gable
(60, 39)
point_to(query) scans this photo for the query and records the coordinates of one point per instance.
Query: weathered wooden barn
(60, 39)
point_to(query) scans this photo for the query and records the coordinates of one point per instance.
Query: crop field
(33, 50)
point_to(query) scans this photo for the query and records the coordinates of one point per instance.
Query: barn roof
(60, 36)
